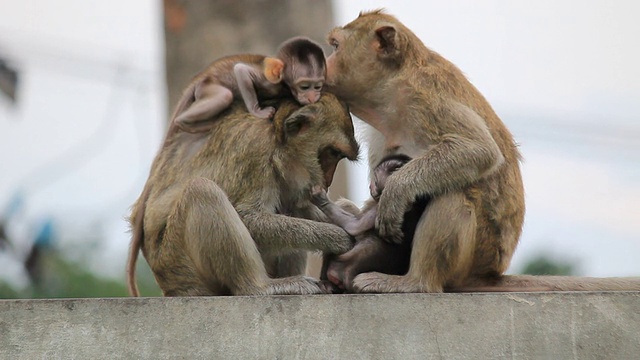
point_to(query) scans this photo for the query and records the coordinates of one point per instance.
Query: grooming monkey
(464, 160)
(370, 253)
(298, 69)
(228, 212)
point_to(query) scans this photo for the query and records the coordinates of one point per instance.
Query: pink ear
(273, 69)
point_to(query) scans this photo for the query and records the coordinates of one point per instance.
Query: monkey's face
(334, 136)
(381, 173)
(307, 90)
(343, 62)
(304, 70)
(351, 67)
(365, 55)
(319, 136)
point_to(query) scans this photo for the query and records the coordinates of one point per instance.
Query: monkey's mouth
(328, 175)
(328, 159)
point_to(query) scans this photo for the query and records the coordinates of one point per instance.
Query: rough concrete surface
(395, 326)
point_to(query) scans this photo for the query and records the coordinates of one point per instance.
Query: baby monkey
(298, 69)
(370, 253)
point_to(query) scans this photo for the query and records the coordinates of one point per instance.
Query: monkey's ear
(273, 69)
(291, 127)
(388, 42)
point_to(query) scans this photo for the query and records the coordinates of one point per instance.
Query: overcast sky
(563, 75)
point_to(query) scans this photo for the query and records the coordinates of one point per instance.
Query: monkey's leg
(443, 249)
(222, 249)
(344, 213)
(369, 254)
(289, 264)
(210, 100)
(353, 225)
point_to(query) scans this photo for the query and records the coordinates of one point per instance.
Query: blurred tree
(545, 265)
(60, 278)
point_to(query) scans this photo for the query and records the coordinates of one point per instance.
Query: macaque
(370, 253)
(463, 159)
(298, 69)
(228, 212)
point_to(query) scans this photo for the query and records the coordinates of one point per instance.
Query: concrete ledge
(396, 326)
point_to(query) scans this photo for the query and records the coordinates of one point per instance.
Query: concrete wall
(425, 326)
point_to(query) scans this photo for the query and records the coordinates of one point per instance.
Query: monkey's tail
(534, 283)
(134, 249)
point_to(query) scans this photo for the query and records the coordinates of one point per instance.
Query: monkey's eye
(304, 87)
(334, 44)
(335, 153)
(317, 87)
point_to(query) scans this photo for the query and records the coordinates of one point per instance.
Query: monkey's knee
(217, 241)
(210, 101)
(209, 210)
(444, 242)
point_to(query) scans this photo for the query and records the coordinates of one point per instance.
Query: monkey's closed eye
(335, 153)
(334, 44)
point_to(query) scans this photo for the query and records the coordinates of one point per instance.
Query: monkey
(298, 69)
(228, 212)
(370, 253)
(464, 159)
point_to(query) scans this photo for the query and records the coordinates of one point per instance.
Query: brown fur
(298, 69)
(225, 211)
(464, 159)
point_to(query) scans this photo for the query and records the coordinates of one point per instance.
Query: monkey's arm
(275, 231)
(466, 153)
(247, 77)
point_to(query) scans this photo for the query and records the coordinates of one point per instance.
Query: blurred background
(86, 89)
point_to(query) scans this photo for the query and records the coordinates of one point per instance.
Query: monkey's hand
(264, 113)
(392, 206)
(319, 196)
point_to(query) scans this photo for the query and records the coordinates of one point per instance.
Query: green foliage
(60, 278)
(545, 265)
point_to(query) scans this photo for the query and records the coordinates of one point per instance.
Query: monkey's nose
(304, 100)
(313, 98)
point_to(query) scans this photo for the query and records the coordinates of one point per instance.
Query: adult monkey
(216, 216)
(464, 159)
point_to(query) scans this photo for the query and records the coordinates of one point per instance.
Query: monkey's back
(498, 197)
(221, 71)
(232, 155)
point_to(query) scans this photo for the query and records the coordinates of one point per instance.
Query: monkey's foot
(374, 282)
(330, 287)
(341, 274)
(319, 196)
(266, 113)
(297, 285)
